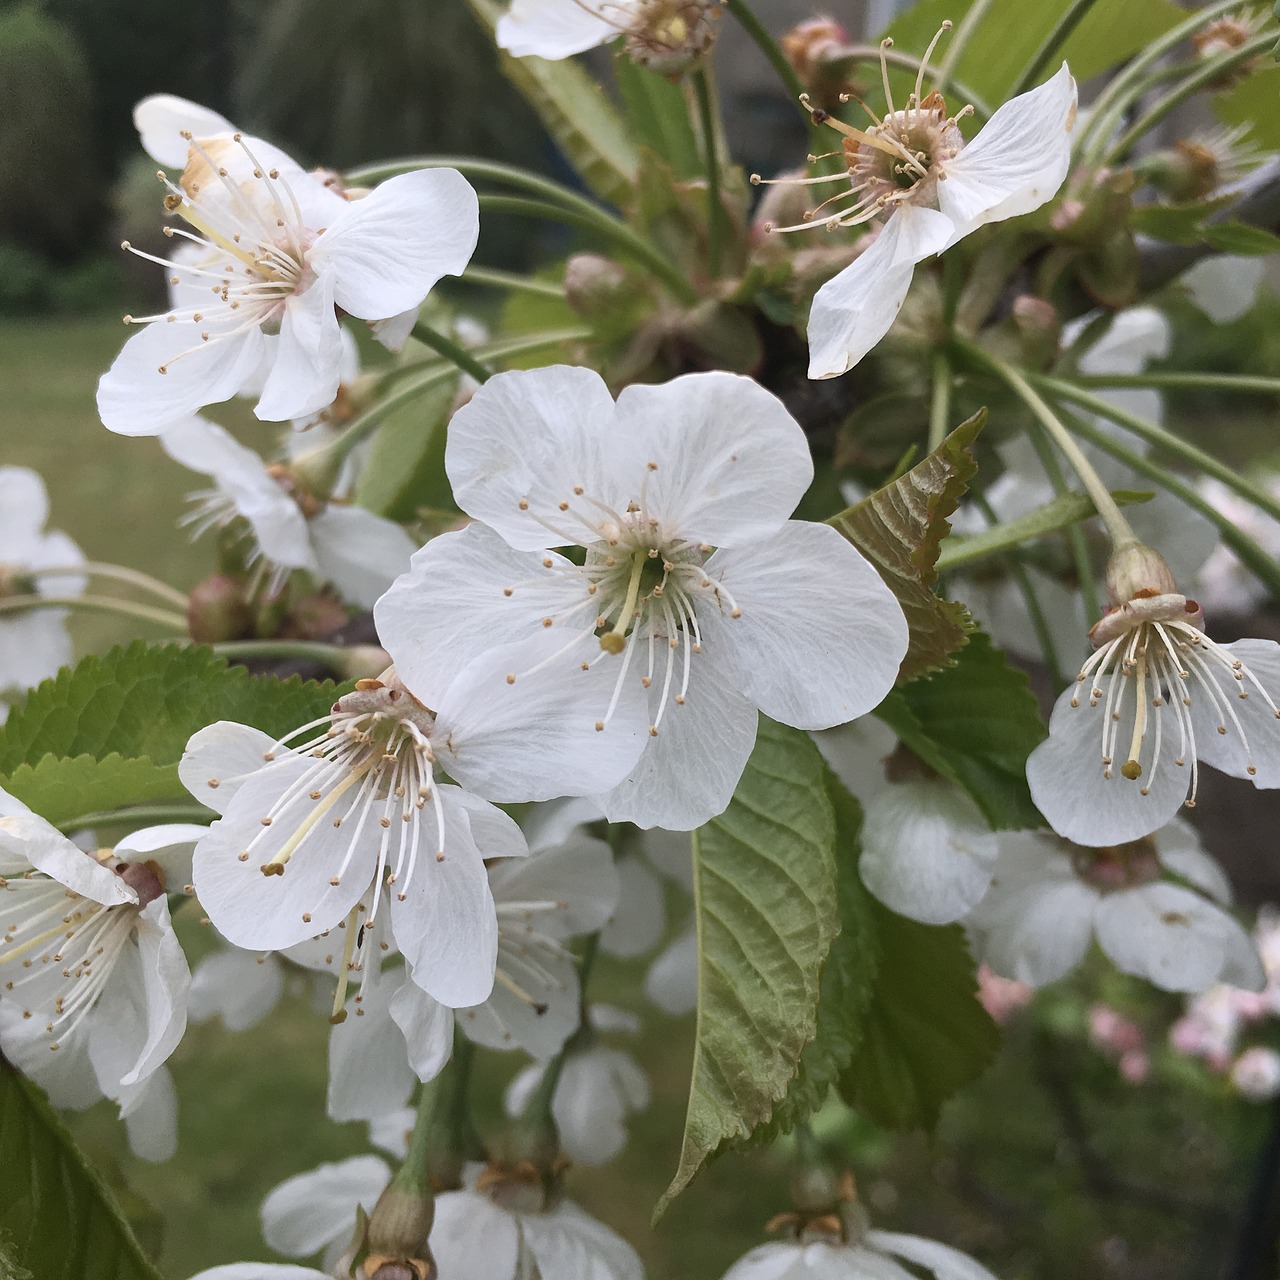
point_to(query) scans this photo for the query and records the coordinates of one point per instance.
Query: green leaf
(659, 116)
(1012, 32)
(926, 1036)
(765, 901)
(1176, 223)
(1238, 237)
(975, 723)
(60, 788)
(848, 975)
(56, 1213)
(404, 471)
(900, 529)
(575, 111)
(1058, 513)
(1252, 102)
(147, 700)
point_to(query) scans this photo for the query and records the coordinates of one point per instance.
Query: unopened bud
(1136, 570)
(314, 617)
(809, 43)
(672, 36)
(218, 610)
(593, 284)
(362, 661)
(1225, 36)
(1039, 329)
(399, 1227)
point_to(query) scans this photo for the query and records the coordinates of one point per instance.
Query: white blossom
(267, 254)
(359, 552)
(914, 168)
(317, 1210)
(33, 645)
(1256, 1074)
(875, 1255)
(698, 599)
(95, 982)
(501, 1227)
(1048, 901)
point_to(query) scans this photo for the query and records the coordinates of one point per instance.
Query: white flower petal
(168, 846)
(528, 437)
(535, 737)
(238, 986)
(135, 399)
(779, 1261)
(945, 1262)
(820, 636)
(306, 1212)
(455, 591)
(1018, 160)
(162, 118)
(542, 1015)
(305, 373)
(497, 834)
(1225, 286)
(261, 1271)
(578, 876)
(1178, 845)
(688, 773)
(724, 458)
(151, 1119)
(1218, 723)
(1068, 779)
(369, 1072)
(855, 309)
(33, 647)
(472, 1239)
(387, 251)
(220, 759)
(557, 29)
(427, 1027)
(926, 851)
(165, 982)
(640, 917)
(362, 554)
(569, 1243)
(27, 836)
(672, 980)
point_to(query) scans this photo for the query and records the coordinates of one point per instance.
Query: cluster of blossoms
(595, 640)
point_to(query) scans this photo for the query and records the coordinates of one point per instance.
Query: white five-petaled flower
(94, 982)
(267, 255)
(697, 599)
(359, 552)
(1048, 900)
(1155, 698)
(310, 831)
(32, 645)
(915, 167)
(503, 1226)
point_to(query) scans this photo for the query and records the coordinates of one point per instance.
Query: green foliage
(765, 900)
(146, 701)
(50, 198)
(404, 470)
(1011, 32)
(925, 1035)
(56, 1215)
(974, 723)
(659, 116)
(574, 110)
(60, 788)
(900, 528)
(1239, 238)
(845, 990)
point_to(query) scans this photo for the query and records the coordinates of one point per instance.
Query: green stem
(1041, 441)
(1118, 528)
(1022, 580)
(445, 346)
(711, 165)
(771, 50)
(96, 604)
(1109, 108)
(1210, 71)
(1181, 449)
(139, 816)
(332, 656)
(1054, 41)
(1248, 551)
(940, 404)
(509, 280)
(118, 573)
(619, 234)
(1245, 384)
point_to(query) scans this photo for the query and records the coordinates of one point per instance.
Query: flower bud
(397, 1234)
(314, 617)
(362, 661)
(808, 43)
(1039, 329)
(218, 610)
(1224, 36)
(671, 36)
(1137, 570)
(593, 284)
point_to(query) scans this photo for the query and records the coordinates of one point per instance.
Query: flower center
(1122, 866)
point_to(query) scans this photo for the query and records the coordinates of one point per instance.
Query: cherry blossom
(359, 552)
(1049, 900)
(697, 595)
(1155, 699)
(267, 254)
(914, 168)
(502, 1226)
(95, 982)
(32, 645)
